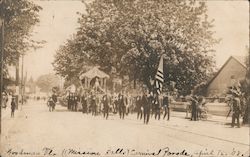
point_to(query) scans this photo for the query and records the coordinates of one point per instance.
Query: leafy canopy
(20, 17)
(129, 37)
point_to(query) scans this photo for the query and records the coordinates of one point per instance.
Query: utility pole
(17, 82)
(1, 58)
(22, 82)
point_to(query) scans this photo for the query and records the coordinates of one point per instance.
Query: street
(37, 132)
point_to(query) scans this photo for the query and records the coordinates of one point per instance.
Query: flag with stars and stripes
(159, 78)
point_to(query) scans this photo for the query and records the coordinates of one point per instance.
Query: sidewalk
(211, 118)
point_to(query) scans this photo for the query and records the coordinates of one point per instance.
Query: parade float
(94, 80)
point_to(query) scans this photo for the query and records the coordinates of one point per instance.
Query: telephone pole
(1, 58)
(22, 82)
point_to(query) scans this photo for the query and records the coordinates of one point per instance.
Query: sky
(231, 26)
(58, 21)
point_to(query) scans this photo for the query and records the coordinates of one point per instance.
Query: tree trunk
(17, 72)
(134, 82)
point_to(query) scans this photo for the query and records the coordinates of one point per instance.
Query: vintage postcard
(124, 78)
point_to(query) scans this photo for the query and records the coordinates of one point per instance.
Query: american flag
(159, 78)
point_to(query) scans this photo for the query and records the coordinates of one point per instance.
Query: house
(230, 73)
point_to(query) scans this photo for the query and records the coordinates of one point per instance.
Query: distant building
(230, 73)
(31, 85)
(9, 80)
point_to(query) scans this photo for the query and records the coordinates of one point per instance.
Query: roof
(94, 72)
(239, 59)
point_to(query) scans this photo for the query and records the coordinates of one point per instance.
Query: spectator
(13, 107)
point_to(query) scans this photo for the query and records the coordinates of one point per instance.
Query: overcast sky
(59, 21)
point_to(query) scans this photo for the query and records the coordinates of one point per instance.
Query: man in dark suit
(146, 107)
(166, 106)
(84, 103)
(157, 106)
(194, 103)
(70, 101)
(54, 98)
(93, 105)
(105, 106)
(122, 106)
(76, 101)
(236, 110)
(139, 107)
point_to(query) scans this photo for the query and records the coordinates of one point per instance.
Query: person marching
(166, 106)
(157, 106)
(119, 105)
(76, 101)
(150, 97)
(93, 105)
(127, 100)
(70, 101)
(122, 107)
(146, 107)
(139, 107)
(151, 102)
(84, 103)
(73, 103)
(13, 107)
(105, 106)
(54, 98)
(115, 103)
(50, 104)
(194, 103)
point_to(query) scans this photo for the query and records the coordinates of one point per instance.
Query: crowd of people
(148, 105)
(145, 105)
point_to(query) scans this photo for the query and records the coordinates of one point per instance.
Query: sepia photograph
(124, 78)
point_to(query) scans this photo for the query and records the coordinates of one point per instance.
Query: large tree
(20, 17)
(130, 36)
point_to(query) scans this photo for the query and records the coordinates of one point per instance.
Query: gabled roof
(239, 59)
(94, 72)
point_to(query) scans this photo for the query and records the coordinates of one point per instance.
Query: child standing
(13, 107)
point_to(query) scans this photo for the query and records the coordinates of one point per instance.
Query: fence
(216, 106)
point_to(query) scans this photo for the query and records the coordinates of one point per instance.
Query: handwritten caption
(122, 152)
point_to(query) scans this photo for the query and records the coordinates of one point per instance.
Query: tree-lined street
(76, 75)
